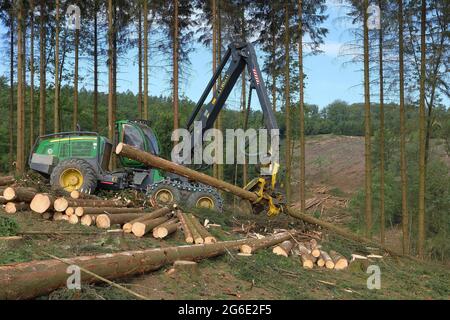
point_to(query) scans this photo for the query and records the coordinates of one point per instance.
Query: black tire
(164, 193)
(210, 198)
(89, 182)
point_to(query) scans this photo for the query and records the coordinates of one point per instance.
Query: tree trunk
(11, 92)
(188, 237)
(75, 81)
(287, 98)
(49, 275)
(266, 242)
(141, 228)
(301, 110)
(149, 159)
(20, 156)
(31, 74)
(175, 66)
(382, 208)
(421, 215)
(145, 111)
(140, 61)
(95, 116)
(42, 69)
(110, 76)
(56, 125)
(244, 120)
(403, 163)
(367, 133)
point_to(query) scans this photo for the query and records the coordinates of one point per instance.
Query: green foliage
(8, 227)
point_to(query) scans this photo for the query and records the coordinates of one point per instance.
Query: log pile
(16, 199)
(310, 253)
(194, 231)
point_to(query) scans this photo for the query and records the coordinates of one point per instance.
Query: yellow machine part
(71, 179)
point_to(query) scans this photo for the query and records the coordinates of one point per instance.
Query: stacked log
(14, 207)
(42, 202)
(17, 199)
(207, 237)
(284, 248)
(166, 228)
(188, 237)
(62, 203)
(265, 242)
(80, 211)
(105, 221)
(141, 228)
(308, 260)
(7, 180)
(127, 227)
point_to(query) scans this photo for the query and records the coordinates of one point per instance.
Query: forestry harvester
(79, 160)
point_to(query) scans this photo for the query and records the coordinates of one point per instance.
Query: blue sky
(328, 78)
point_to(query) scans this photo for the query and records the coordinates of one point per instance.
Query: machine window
(132, 137)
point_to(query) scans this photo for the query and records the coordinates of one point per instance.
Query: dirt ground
(333, 163)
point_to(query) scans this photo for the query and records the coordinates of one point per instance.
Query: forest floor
(262, 275)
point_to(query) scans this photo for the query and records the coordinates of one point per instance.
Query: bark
(145, 111)
(151, 160)
(31, 73)
(7, 180)
(42, 69)
(175, 66)
(244, 120)
(329, 264)
(110, 75)
(56, 125)
(19, 194)
(80, 211)
(367, 129)
(61, 204)
(140, 62)
(141, 228)
(11, 92)
(287, 98)
(95, 119)
(36, 278)
(20, 154)
(301, 110)
(403, 163)
(75, 81)
(198, 239)
(214, 62)
(421, 213)
(266, 242)
(207, 237)
(382, 206)
(184, 225)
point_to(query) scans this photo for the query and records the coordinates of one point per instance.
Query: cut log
(73, 219)
(104, 221)
(340, 262)
(207, 237)
(187, 267)
(307, 261)
(49, 275)
(168, 166)
(328, 262)
(198, 239)
(13, 207)
(80, 211)
(57, 216)
(266, 242)
(6, 180)
(320, 262)
(19, 194)
(42, 202)
(10, 242)
(152, 215)
(315, 248)
(185, 227)
(86, 220)
(76, 194)
(166, 228)
(303, 249)
(284, 248)
(141, 228)
(70, 211)
(62, 203)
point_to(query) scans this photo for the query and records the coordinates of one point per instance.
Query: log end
(10, 208)
(70, 211)
(245, 248)
(138, 229)
(9, 194)
(119, 148)
(40, 203)
(75, 194)
(86, 220)
(61, 204)
(279, 251)
(79, 211)
(102, 221)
